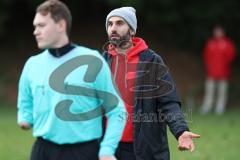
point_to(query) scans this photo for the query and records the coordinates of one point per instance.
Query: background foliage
(184, 23)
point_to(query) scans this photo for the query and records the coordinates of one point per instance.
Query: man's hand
(185, 141)
(25, 125)
(107, 158)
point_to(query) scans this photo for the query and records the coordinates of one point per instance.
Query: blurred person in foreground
(219, 53)
(148, 91)
(63, 92)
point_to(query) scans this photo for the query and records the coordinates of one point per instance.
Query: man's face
(118, 30)
(218, 32)
(47, 31)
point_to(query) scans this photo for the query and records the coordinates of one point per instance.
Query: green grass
(219, 137)
(15, 144)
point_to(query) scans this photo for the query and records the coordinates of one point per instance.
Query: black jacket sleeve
(169, 106)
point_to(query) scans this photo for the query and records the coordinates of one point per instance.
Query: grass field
(220, 137)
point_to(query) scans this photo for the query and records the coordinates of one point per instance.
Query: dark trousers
(125, 151)
(46, 150)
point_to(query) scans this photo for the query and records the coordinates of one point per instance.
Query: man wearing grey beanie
(148, 91)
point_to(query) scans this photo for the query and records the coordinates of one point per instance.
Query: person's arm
(170, 106)
(24, 118)
(231, 51)
(107, 158)
(185, 141)
(207, 52)
(174, 117)
(114, 111)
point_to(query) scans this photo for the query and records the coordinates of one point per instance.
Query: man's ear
(132, 33)
(62, 25)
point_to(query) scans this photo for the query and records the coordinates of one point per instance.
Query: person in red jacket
(148, 92)
(218, 55)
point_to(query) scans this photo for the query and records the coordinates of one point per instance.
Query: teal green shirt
(37, 102)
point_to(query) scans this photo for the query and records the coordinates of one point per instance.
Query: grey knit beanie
(127, 13)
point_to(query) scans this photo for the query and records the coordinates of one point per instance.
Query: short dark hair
(58, 11)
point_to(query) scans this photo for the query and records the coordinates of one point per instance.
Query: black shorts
(46, 150)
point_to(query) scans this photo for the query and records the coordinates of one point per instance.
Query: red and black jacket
(156, 104)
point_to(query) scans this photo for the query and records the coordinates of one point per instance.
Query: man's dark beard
(123, 42)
